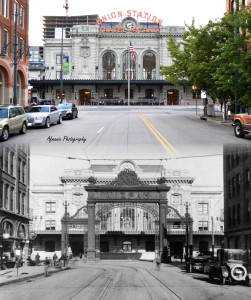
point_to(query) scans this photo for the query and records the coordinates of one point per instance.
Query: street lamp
(15, 58)
(66, 204)
(189, 242)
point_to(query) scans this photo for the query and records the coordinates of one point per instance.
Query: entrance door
(77, 248)
(85, 97)
(172, 97)
(104, 246)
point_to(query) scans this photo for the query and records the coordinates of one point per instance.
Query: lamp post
(189, 242)
(15, 57)
(66, 204)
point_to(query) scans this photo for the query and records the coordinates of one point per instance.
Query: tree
(215, 58)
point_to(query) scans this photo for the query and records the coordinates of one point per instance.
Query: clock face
(129, 25)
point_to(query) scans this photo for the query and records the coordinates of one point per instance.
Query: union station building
(125, 208)
(88, 60)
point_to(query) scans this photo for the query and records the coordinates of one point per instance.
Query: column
(162, 225)
(91, 253)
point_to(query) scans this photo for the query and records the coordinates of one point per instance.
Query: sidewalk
(218, 119)
(25, 273)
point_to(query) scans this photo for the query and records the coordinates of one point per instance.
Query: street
(119, 279)
(135, 132)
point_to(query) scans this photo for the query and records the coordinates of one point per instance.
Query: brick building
(14, 199)
(237, 196)
(7, 33)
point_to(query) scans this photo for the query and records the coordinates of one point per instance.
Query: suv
(231, 265)
(12, 118)
(242, 125)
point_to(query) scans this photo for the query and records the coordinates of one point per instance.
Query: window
(149, 66)
(238, 214)
(22, 16)
(129, 67)
(233, 186)
(21, 48)
(6, 41)
(247, 210)
(6, 9)
(58, 59)
(247, 177)
(50, 225)
(16, 10)
(203, 208)
(50, 207)
(234, 215)
(12, 199)
(108, 94)
(238, 183)
(229, 189)
(229, 219)
(203, 225)
(108, 65)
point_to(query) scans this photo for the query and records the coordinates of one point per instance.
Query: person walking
(46, 266)
(158, 261)
(37, 259)
(55, 258)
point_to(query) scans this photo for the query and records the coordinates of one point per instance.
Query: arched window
(8, 228)
(129, 67)
(21, 231)
(149, 65)
(109, 65)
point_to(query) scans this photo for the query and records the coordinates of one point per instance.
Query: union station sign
(129, 23)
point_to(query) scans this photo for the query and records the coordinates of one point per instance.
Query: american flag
(132, 52)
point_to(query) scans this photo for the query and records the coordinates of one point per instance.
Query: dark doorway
(104, 246)
(85, 97)
(203, 246)
(150, 247)
(176, 248)
(77, 248)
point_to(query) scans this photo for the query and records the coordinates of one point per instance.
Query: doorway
(85, 97)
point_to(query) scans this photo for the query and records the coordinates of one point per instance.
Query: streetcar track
(93, 280)
(162, 283)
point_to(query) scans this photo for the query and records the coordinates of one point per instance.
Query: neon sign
(129, 13)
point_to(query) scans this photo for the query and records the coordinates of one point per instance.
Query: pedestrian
(46, 266)
(55, 258)
(37, 259)
(158, 262)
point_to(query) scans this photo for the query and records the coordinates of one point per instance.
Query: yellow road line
(164, 142)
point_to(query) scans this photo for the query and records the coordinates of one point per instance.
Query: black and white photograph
(125, 153)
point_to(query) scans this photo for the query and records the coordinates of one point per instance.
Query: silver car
(43, 115)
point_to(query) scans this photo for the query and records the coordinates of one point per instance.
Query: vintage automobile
(43, 115)
(12, 118)
(231, 265)
(69, 110)
(201, 261)
(242, 125)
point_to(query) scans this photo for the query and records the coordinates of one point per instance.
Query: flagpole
(129, 65)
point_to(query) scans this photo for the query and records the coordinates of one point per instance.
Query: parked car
(242, 125)
(43, 115)
(46, 102)
(201, 262)
(69, 110)
(231, 265)
(12, 118)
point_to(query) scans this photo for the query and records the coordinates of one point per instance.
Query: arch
(6, 71)
(149, 65)
(8, 227)
(21, 231)
(109, 65)
(128, 66)
(172, 97)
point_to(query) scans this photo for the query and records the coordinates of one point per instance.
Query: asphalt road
(123, 280)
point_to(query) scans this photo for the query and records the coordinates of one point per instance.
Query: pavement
(25, 273)
(217, 118)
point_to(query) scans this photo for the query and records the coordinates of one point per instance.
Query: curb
(26, 278)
